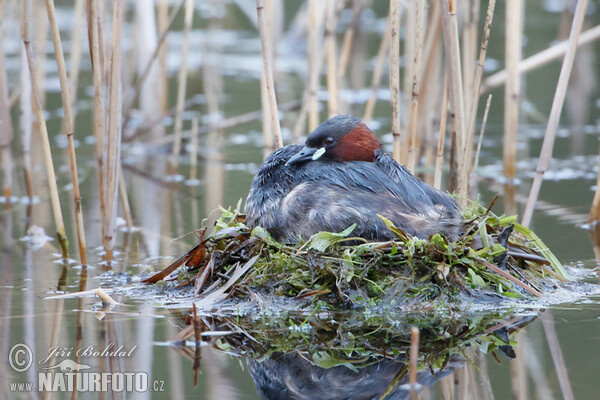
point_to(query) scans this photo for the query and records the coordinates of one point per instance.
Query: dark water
(228, 55)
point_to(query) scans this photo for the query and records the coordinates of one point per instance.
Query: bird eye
(329, 141)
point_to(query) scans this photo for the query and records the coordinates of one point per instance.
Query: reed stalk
(540, 59)
(124, 199)
(159, 54)
(194, 150)
(479, 68)
(6, 133)
(275, 127)
(552, 337)
(439, 158)
(468, 48)
(69, 131)
(315, 19)
(112, 144)
(25, 119)
(264, 93)
(182, 85)
(413, 150)
(481, 131)
(414, 358)
(460, 168)
(514, 27)
(595, 209)
(395, 76)
(39, 114)
(557, 104)
(347, 41)
(164, 22)
(97, 59)
(384, 48)
(332, 67)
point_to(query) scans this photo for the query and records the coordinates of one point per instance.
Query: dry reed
(275, 127)
(182, 85)
(39, 114)
(395, 76)
(384, 48)
(461, 166)
(194, 150)
(315, 60)
(540, 59)
(439, 159)
(557, 104)
(416, 72)
(69, 130)
(414, 358)
(332, 67)
(6, 133)
(512, 89)
(112, 144)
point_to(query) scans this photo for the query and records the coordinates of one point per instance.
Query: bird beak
(306, 154)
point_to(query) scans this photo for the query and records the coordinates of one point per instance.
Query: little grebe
(342, 177)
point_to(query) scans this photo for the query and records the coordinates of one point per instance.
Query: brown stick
(557, 104)
(68, 120)
(269, 75)
(508, 276)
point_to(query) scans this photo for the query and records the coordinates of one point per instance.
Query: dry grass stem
(182, 85)
(112, 144)
(69, 131)
(413, 150)
(557, 105)
(39, 114)
(275, 127)
(395, 76)
(6, 133)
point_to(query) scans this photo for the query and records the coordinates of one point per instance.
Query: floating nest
(494, 260)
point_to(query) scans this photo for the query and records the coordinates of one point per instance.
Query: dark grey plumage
(297, 200)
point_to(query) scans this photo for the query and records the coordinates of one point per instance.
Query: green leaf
(390, 225)
(322, 240)
(476, 280)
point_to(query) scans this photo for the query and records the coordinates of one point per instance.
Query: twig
(557, 104)
(276, 128)
(68, 121)
(508, 276)
(182, 84)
